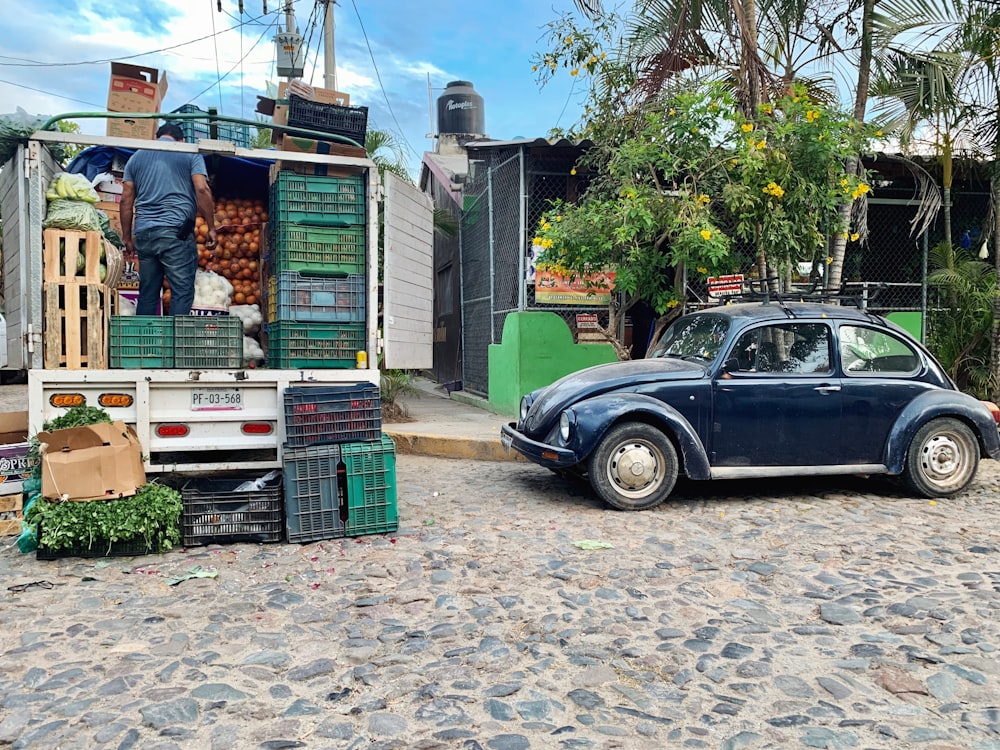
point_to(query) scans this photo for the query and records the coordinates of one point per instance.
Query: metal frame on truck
(186, 419)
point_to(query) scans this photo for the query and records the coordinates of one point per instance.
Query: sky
(56, 58)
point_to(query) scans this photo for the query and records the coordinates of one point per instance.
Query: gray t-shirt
(164, 193)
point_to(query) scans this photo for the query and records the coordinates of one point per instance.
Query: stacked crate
(316, 298)
(76, 300)
(340, 470)
(183, 341)
(231, 509)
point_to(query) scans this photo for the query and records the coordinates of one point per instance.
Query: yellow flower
(534, 68)
(761, 144)
(546, 226)
(547, 243)
(703, 199)
(844, 182)
(672, 112)
(536, 241)
(672, 304)
(694, 130)
(812, 115)
(702, 269)
(569, 40)
(706, 234)
(829, 260)
(774, 189)
(767, 109)
(863, 188)
(575, 72)
(878, 133)
(603, 55)
(795, 99)
(592, 60)
(559, 217)
(820, 137)
(746, 127)
(854, 237)
(573, 170)
(553, 66)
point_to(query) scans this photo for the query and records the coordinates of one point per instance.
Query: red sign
(725, 286)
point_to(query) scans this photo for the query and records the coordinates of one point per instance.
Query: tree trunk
(995, 333)
(838, 250)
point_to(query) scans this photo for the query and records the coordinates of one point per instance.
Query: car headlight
(567, 421)
(525, 405)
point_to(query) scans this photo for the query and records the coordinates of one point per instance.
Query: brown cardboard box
(113, 211)
(309, 146)
(94, 462)
(279, 117)
(14, 465)
(323, 96)
(134, 88)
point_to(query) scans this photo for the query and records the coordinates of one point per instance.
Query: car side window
(868, 350)
(791, 348)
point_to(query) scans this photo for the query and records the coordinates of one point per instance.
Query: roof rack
(814, 293)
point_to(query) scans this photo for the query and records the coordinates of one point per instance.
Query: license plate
(506, 441)
(216, 399)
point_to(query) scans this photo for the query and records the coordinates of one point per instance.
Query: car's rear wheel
(942, 459)
(634, 467)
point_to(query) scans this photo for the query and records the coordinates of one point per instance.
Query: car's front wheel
(634, 467)
(942, 458)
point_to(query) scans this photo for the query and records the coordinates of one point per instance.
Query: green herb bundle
(152, 515)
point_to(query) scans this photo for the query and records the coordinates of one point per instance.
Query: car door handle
(827, 388)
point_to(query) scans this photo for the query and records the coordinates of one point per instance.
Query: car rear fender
(940, 403)
(595, 416)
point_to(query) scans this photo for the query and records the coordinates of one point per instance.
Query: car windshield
(699, 336)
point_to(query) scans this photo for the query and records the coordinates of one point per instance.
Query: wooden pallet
(60, 250)
(10, 514)
(77, 318)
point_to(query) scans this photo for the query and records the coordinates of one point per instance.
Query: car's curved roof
(773, 310)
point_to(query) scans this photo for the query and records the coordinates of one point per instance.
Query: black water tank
(460, 110)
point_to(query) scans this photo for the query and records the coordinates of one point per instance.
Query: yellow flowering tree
(788, 179)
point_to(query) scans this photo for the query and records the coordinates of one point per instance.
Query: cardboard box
(11, 514)
(94, 462)
(113, 211)
(134, 88)
(323, 96)
(309, 146)
(14, 464)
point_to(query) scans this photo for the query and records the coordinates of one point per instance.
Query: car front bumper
(543, 454)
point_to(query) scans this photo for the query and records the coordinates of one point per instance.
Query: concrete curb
(440, 446)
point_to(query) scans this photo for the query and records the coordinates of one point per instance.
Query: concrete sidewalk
(449, 426)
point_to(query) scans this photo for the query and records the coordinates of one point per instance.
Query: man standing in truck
(163, 192)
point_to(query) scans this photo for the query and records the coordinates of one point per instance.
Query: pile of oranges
(239, 223)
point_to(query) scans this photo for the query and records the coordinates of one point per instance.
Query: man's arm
(206, 206)
(126, 208)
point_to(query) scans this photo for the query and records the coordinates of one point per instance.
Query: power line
(51, 93)
(378, 76)
(218, 70)
(235, 65)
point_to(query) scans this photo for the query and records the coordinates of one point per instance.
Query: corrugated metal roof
(531, 143)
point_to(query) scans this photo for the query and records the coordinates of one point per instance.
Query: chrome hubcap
(633, 467)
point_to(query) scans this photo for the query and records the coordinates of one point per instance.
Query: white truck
(245, 428)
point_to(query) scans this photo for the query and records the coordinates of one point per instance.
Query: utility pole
(329, 51)
(289, 17)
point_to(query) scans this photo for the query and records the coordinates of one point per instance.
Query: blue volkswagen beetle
(761, 389)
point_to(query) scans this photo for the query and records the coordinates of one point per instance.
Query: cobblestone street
(836, 613)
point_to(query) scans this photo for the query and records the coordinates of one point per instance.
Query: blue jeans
(161, 254)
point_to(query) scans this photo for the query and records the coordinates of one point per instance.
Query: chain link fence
(509, 189)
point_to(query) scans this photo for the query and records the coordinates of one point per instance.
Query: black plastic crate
(100, 548)
(339, 490)
(215, 511)
(351, 122)
(332, 414)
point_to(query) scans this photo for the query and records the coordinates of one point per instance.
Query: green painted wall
(536, 349)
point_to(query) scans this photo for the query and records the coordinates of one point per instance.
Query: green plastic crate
(314, 345)
(141, 341)
(208, 341)
(319, 201)
(322, 504)
(316, 251)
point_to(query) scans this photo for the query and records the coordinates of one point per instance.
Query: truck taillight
(115, 399)
(67, 400)
(257, 428)
(172, 430)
